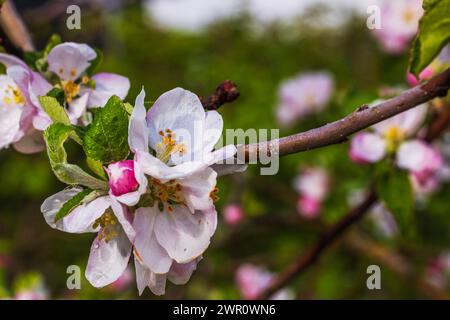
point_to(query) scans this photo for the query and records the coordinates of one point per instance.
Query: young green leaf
(55, 136)
(72, 204)
(394, 188)
(96, 167)
(95, 63)
(54, 110)
(106, 139)
(434, 34)
(58, 94)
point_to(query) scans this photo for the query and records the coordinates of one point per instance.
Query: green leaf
(394, 188)
(95, 63)
(55, 136)
(96, 167)
(72, 204)
(54, 40)
(58, 94)
(54, 110)
(106, 139)
(434, 34)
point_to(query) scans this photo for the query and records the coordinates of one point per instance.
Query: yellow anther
(109, 228)
(169, 146)
(167, 194)
(71, 89)
(394, 136)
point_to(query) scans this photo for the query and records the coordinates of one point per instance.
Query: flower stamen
(169, 146)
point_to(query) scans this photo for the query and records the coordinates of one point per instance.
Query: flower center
(71, 89)
(167, 194)
(109, 226)
(13, 95)
(169, 146)
(394, 136)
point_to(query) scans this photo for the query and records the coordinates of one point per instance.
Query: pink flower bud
(426, 74)
(121, 177)
(233, 214)
(308, 207)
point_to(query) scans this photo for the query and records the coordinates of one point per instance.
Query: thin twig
(14, 27)
(311, 255)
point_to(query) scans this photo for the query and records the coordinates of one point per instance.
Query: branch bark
(14, 27)
(338, 131)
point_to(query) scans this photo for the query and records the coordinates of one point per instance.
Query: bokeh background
(196, 45)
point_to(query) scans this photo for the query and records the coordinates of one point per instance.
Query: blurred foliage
(272, 234)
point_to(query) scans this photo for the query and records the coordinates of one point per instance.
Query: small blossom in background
(312, 185)
(233, 214)
(304, 95)
(437, 272)
(31, 286)
(399, 24)
(252, 280)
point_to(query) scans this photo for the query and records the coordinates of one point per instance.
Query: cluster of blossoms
(395, 137)
(312, 185)
(303, 95)
(22, 118)
(157, 205)
(399, 24)
(437, 272)
(253, 280)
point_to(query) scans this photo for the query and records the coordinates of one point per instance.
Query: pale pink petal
(32, 142)
(68, 60)
(146, 278)
(367, 148)
(180, 273)
(197, 188)
(107, 85)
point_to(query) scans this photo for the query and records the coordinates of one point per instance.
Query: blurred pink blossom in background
(252, 280)
(399, 24)
(313, 185)
(303, 95)
(233, 214)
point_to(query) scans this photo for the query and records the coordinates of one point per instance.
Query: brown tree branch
(363, 117)
(14, 27)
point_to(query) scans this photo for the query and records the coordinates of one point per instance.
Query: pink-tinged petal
(224, 155)
(197, 189)
(284, 294)
(419, 157)
(184, 235)
(409, 121)
(77, 108)
(138, 131)
(107, 85)
(181, 112)
(213, 130)
(181, 273)
(233, 214)
(125, 218)
(426, 74)
(10, 112)
(81, 219)
(9, 60)
(309, 207)
(146, 278)
(68, 60)
(108, 260)
(32, 142)
(367, 148)
(147, 249)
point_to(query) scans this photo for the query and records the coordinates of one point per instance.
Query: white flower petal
(213, 130)
(197, 189)
(147, 249)
(367, 147)
(138, 131)
(108, 260)
(181, 273)
(146, 278)
(107, 85)
(32, 142)
(184, 235)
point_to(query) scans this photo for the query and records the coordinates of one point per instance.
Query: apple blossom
(252, 280)
(437, 271)
(391, 137)
(176, 229)
(303, 95)
(399, 24)
(312, 184)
